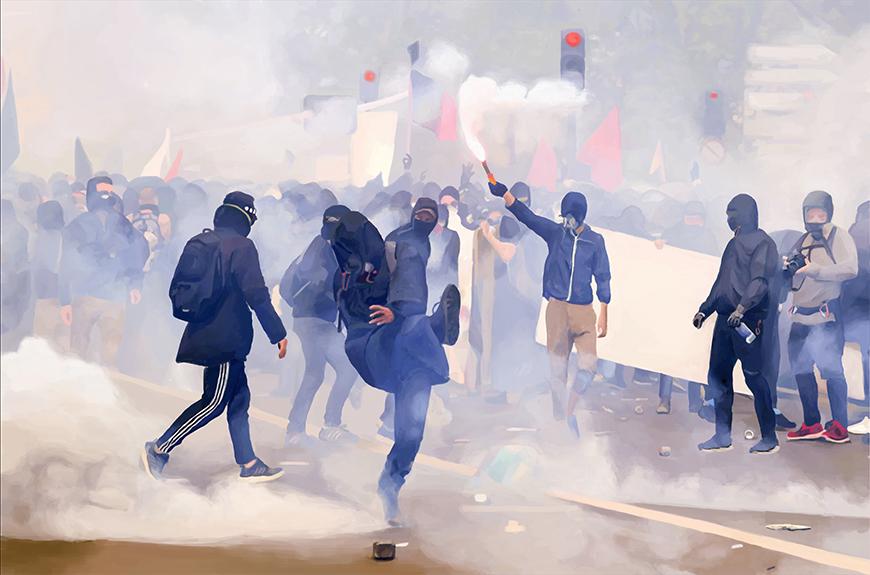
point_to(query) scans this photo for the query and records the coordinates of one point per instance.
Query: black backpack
(197, 286)
(363, 277)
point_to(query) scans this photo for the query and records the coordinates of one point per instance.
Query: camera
(794, 263)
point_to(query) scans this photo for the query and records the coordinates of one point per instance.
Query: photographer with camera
(821, 260)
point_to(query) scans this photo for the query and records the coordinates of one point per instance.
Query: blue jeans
(821, 345)
(666, 385)
(321, 344)
(225, 386)
(411, 405)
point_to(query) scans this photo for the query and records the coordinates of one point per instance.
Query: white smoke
(70, 469)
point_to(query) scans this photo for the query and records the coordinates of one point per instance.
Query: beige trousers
(89, 312)
(48, 325)
(570, 325)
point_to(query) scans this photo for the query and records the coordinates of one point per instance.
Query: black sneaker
(449, 307)
(716, 443)
(766, 446)
(259, 472)
(153, 461)
(783, 423)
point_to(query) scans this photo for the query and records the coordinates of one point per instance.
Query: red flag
(175, 167)
(447, 123)
(543, 172)
(603, 152)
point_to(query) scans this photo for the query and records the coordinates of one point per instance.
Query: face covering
(331, 218)
(821, 200)
(420, 227)
(742, 213)
(573, 210)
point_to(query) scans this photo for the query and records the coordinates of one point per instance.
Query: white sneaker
(860, 428)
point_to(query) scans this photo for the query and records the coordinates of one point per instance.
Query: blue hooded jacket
(572, 259)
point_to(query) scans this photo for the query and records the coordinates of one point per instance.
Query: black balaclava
(237, 213)
(331, 218)
(574, 207)
(419, 227)
(522, 192)
(97, 201)
(822, 200)
(49, 215)
(742, 212)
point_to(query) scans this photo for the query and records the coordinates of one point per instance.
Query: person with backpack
(822, 260)
(215, 286)
(382, 293)
(101, 266)
(307, 287)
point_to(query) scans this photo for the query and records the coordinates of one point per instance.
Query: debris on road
(294, 463)
(737, 546)
(480, 498)
(638, 409)
(788, 527)
(665, 451)
(461, 440)
(383, 551)
(607, 409)
(404, 544)
(514, 527)
(522, 429)
(749, 435)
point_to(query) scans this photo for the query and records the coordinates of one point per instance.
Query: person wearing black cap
(222, 341)
(575, 255)
(740, 297)
(822, 259)
(101, 266)
(307, 288)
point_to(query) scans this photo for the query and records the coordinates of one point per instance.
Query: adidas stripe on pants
(225, 386)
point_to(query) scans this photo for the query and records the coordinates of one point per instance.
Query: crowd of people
(412, 284)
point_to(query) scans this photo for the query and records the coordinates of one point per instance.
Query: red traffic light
(369, 76)
(714, 95)
(573, 39)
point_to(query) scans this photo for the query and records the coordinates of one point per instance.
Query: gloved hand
(498, 189)
(698, 320)
(736, 317)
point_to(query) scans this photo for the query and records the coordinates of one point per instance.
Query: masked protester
(823, 258)
(575, 255)
(101, 268)
(856, 303)
(219, 336)
(307, 288)
(740, 298)
(393, 345)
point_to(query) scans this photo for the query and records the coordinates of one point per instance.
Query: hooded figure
(741, 298)
(856, 294)
(692, 233)
(307, 287)
(390, 341)
(575, 255)
(47, 322)
(821, 200)
(816, 338)
(631, 221)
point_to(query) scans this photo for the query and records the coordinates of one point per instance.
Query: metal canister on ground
(383, 551)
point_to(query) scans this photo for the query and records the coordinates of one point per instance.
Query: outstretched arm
(541, 226)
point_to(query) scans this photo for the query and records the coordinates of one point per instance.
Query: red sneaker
(836, 433)
(813, 431)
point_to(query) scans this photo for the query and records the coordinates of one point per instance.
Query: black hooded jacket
(407, 251)
(748, 264)
(229, 334)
